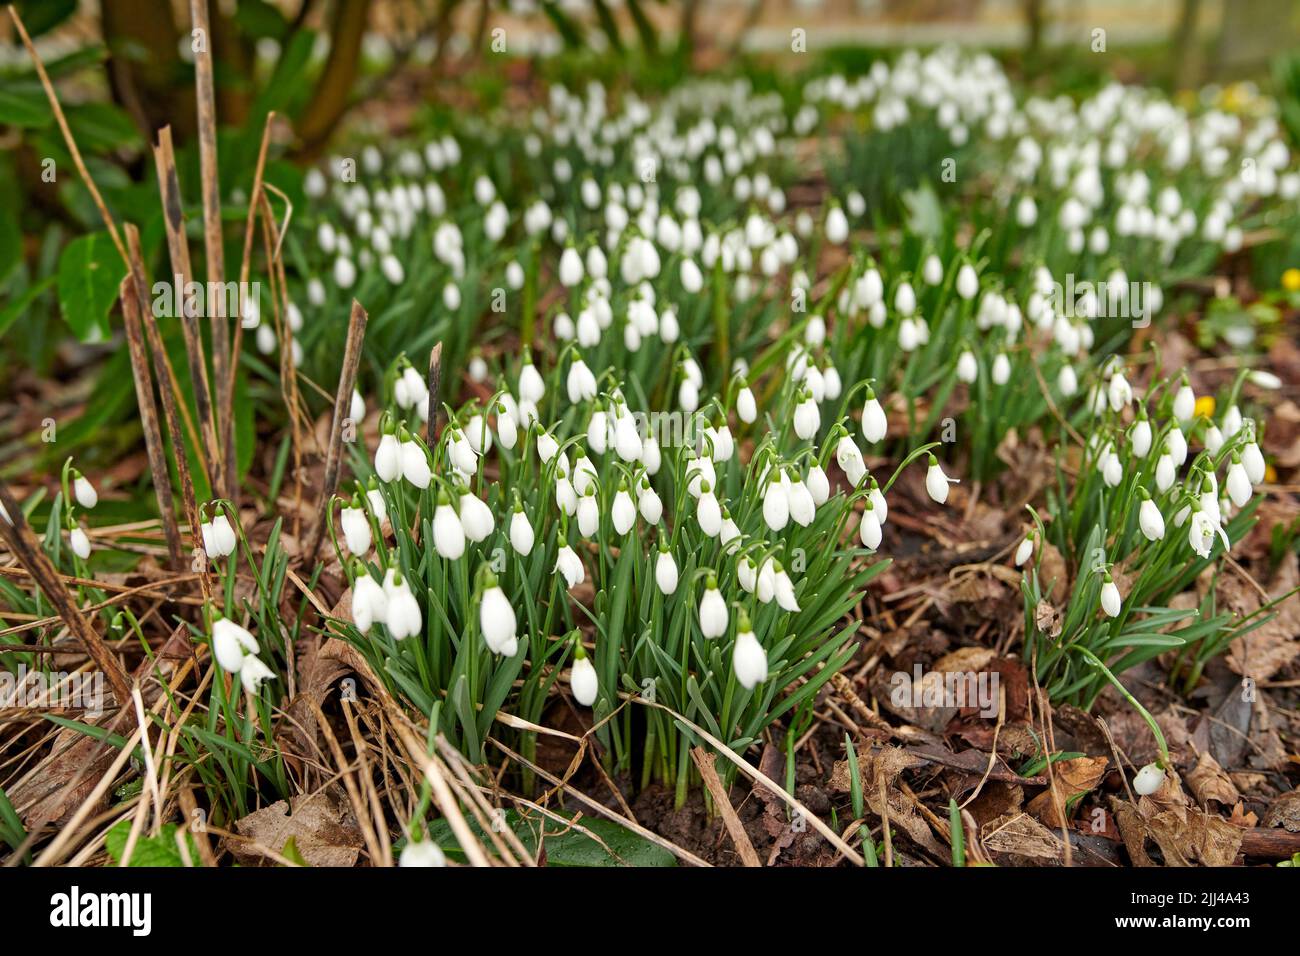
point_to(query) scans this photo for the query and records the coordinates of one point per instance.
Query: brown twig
(342, 409)
(153, 442)
(170, 399)
(704, 762)
(435, 383)
(21, 540)
(215, 255)
(182, 274)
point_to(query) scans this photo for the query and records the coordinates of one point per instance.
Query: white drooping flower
(448, 532)
(783, 588)
(1238, 483)
(874, 423)
(708, 512)
(1253, 459)
(968, 283)
(819, 486)
(748, 659)
(570, 267)
(967, 368)
(623, 511)
(231, 644)
(666, 571)
(356, 530)
(415, 463)
(422, 853)
(254, 673)
(1139, 437)
(1184, 403)
(746, 407)
(713, 610)
(581, 382)
(936, 482)
(521, 531)
(84, 492)
(531, 386)
(1118, 391)
(837, 225)
(802, 508)
(582, 679)
(219, 538)
(1025, 551)
(849, 458)
(1201, 533)
(1148, 780)
(1111, 599)
(369, 604)
(568, 564)
(1150, 520)
(475, 517)
(80, 542)
(869, 530)
(497, 619)
(461, 451)
(404, 618)
(649, 503)
(807, 418)
(776, 505)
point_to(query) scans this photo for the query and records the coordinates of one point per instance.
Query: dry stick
(215, 254)
(170, 400)
(704, 762)
(435, 382)
(182, 273)
(443, 796)
(227, 390)
(67, 135)
(20, 538)
(342, 410)
(153, 442)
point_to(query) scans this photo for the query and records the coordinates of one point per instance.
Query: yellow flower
(1270, 475)
(1204, 407)
(1291, 280)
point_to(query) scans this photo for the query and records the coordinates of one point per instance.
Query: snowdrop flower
(837, 225)
(1001, 372)
(531, 386)
(1165, 473)
(497, 619)
(369, 604)
(1112, 469)
(1150, 520)
(1201, 532)
(968, 283)
(1253, 459)
(807, 418)
(588, 514)
(357, 410)
(478, 435)
(415, 463)
(581, 382)
(819, 486)
(627, 440)
(1139, 437)
(1184, 403)
(802, 508)
(708, 512)
(219, 538)
(568, 564)
(570, 267)
(874, 423)
(582, 678)
(649, 503)
(1231, 422)
(967, 367)
(878, 501)
(932, 270)
(403, 618)
(765, 586)
(747, 573)
(356, 529)
(84, 491)
(254, 673)
(623, 512)
(905, 299)
(691, 278)
(849, 458)
(1148, 780)
(475, 516)
(1176, 446)
(730, 534)
(1238, 484)
(748, 659)
(1111, 601)
(784, 588)
(231, 644)
(1026, 550)
(1213, 439)
(776, 504)
(461, 451)
(80, 542)
(713, 610)
(746, 407)
(521, 532)
(665, 569)
(1118, 391)
(388, 457)
(421, 853)
(936, 482)
(869, 530)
